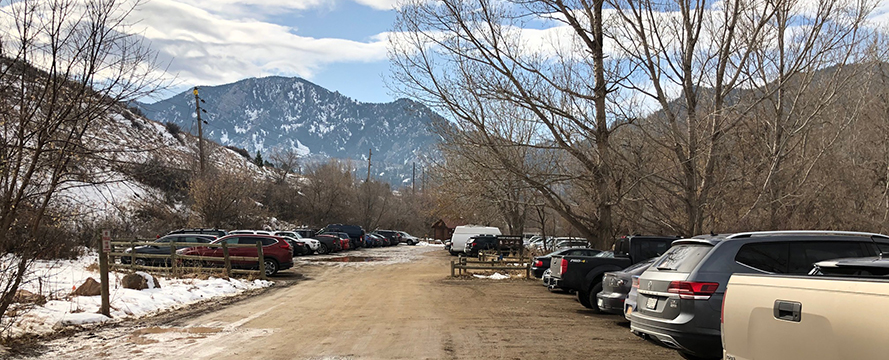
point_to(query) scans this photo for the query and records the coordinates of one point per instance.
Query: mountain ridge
(276, 112)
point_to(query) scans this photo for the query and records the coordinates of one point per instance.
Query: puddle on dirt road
(350, 259)
(145, 336)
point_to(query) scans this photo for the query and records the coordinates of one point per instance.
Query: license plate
(600, 302)
(652, 303)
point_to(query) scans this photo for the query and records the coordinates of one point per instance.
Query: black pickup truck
(583, 274)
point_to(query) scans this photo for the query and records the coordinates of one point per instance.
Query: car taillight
(538, 263)
(284, 244)
(692, 290)
(636, 283)
(564, 266)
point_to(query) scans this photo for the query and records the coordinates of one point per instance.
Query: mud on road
(403, 306)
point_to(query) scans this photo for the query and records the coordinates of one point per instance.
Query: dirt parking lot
(402, 307)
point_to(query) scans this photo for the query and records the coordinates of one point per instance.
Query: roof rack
(804, 232)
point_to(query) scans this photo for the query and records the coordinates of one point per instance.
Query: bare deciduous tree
(470, 60)
(63, 65)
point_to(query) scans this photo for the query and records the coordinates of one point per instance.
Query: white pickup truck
(841, 312)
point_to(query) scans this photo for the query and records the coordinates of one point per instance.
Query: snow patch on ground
(496, 276)
(57, 279)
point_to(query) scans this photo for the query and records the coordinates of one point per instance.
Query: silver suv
(679, 299)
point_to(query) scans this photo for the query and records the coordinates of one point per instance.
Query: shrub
(173, 128)
(241, 151)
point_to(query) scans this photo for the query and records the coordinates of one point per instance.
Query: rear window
(682, 258)
(647, 249)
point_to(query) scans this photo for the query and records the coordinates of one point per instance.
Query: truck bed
(805, 317)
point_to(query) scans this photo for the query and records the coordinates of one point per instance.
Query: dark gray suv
(679, 299)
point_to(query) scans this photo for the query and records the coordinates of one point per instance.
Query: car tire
(584, 298)
(141, 262)
(594, 297)
(410, 242)
(271, 266)
(453, 253)
(323, 249)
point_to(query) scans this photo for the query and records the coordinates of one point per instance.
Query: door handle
(788, 310)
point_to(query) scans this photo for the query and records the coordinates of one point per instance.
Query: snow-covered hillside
(127, 140)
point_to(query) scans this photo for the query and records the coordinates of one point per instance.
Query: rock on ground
(139, 281)
(90, 287)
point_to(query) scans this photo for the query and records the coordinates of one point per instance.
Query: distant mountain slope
(267, 113)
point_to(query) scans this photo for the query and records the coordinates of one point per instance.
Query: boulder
(140, 281)
(27, 297)
(90, 287)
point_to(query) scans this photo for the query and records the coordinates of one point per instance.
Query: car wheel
(453, 253)
(323, 249)
(594, 293)
(271, 266)
(141, 262)
(584, 298)
(410, 242)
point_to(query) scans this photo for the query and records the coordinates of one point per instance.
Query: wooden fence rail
(175, 258)
(463, 264)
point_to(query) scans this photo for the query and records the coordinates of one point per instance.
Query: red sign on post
(106, 241)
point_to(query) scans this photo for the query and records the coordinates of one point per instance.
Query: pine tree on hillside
(258, 159)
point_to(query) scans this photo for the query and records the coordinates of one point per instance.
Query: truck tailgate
(555, 266)
(794, 317)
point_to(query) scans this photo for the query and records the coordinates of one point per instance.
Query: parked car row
(672, 290)
(279, 247)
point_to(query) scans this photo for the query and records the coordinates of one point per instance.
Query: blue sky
(338, 44)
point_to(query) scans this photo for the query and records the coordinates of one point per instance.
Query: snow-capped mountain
(278, 112)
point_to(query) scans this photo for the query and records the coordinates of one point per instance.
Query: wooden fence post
(173, 265)
(261, 260)
(528, 271)
(228, 262)
(133, 255)
(452, 268)
(105, 248)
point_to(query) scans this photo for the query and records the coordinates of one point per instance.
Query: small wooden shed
(444, 228)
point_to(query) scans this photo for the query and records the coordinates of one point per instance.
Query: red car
(277, 252)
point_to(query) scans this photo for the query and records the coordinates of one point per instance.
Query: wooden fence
(462, 265)
(188, 261)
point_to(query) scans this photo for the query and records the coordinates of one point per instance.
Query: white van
(463, 233)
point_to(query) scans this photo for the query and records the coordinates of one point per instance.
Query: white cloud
(379, 4)
(204, 47)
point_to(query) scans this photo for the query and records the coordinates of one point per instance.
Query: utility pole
(370, 152)
(414, 179)
(197, 106)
